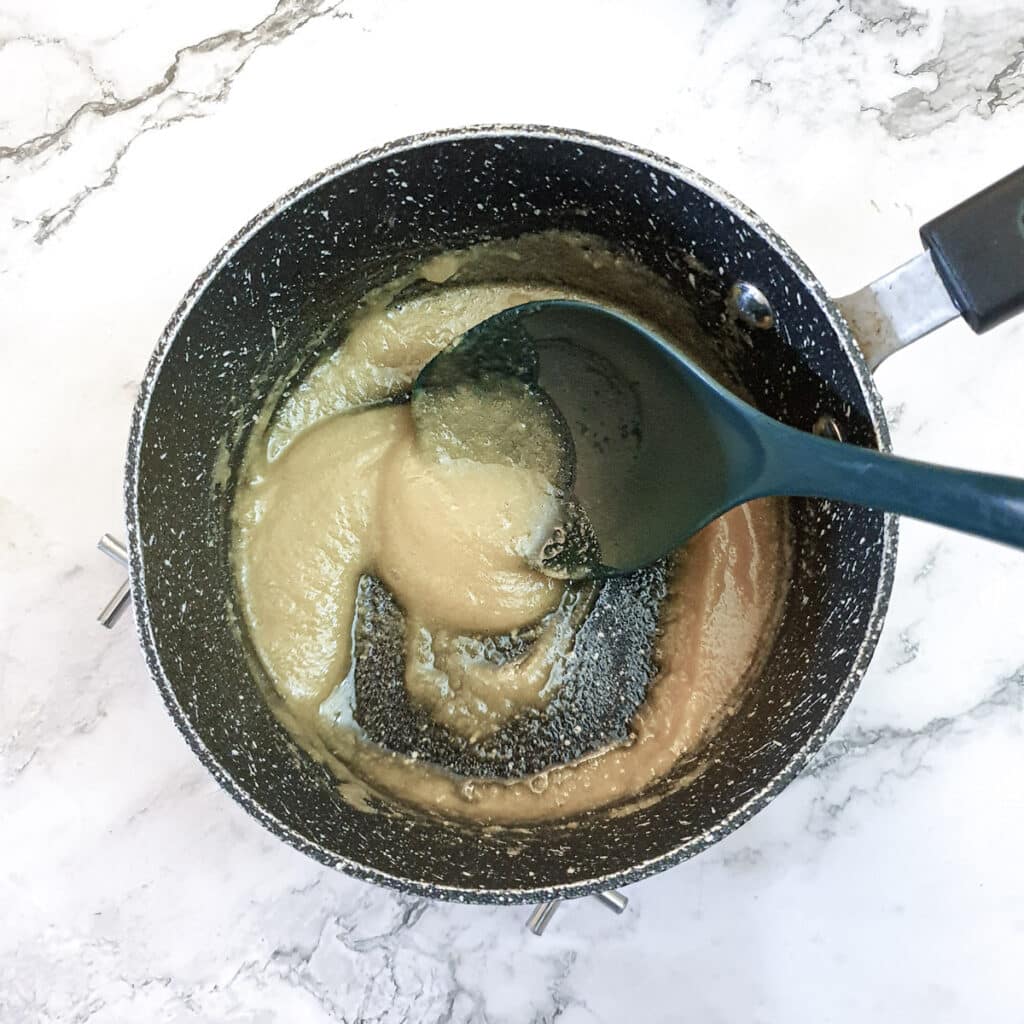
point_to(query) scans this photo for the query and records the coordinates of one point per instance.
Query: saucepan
(266, 303)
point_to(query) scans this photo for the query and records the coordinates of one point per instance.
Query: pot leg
(613, 900)
(543, 912)
(541, 916)
(114, 608)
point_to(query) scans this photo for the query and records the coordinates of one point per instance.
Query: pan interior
(563, 680)
(263, 315)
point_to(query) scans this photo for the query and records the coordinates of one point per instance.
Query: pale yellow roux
(335, 490)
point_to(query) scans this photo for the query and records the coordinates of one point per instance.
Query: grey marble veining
(134, 141)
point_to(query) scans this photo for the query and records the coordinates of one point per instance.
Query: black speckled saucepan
(297, 267)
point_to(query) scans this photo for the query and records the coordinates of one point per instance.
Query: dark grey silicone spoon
(653, 449)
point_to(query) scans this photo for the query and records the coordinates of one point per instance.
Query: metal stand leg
(543, 912)
(115, 607)
(613, 900)
(541, 916)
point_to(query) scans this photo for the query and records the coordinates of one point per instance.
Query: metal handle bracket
(904, 305)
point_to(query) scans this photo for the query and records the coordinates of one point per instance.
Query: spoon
(646, 449)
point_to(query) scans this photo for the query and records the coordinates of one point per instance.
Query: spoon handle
(982, 504)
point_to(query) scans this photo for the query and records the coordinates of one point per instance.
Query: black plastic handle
(978, 250)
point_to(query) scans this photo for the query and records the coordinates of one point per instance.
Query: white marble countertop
(885, 884)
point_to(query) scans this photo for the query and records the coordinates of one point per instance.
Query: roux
(340, 486)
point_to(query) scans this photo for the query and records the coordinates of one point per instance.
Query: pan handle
(972, 266)
(978, 251)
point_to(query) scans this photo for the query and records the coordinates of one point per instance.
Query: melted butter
(337, 486)
(456, 678)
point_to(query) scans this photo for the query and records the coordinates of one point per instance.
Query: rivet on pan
(750, 305)
(826, 426)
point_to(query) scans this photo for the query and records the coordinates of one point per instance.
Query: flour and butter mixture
(365, 551)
